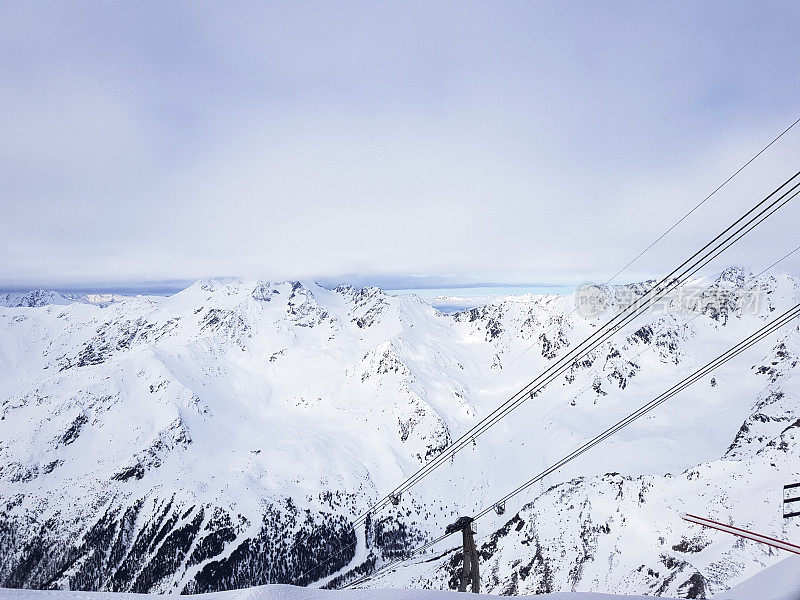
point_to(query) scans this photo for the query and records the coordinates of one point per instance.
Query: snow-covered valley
(186, 443)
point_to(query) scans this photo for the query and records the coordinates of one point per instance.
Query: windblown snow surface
(186, 443)
(778, 582)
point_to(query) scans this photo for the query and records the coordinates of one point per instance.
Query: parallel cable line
(726, 356)
(781, 259)
(651, 347)
(632, 261)
(729, 236)
(409, 556)
(703, 201)
(327, 562)
(668, 230)
(724, 240)
(781, 321)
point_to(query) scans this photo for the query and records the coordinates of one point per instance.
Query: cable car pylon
(469, 570)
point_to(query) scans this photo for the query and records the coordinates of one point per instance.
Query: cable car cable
(786, 318)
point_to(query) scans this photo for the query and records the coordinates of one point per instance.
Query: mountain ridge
(197, 409)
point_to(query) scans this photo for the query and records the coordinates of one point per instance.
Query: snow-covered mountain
(46, 297)
(187, 443)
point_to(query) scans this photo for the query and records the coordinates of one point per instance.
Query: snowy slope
(779, 582)
(287, 592)
(185, 443)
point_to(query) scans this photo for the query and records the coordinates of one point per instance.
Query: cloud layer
(514, 142)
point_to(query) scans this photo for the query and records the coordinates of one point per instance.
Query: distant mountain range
(189, 442)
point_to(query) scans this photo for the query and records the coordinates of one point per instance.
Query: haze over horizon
(502, 143)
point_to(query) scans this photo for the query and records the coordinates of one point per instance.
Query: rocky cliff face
(225, 437)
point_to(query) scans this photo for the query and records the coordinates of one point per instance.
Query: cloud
(511, 142)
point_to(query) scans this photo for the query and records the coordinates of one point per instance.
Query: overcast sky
(494, 141)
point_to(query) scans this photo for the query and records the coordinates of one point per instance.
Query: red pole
(744, 533)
